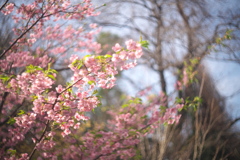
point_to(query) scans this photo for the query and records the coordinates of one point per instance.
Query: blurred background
(198, 36)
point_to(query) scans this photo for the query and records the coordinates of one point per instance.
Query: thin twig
(21, 36)
(4, 5)
(43, 134)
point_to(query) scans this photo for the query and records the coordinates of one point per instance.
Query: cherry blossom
(33, 110)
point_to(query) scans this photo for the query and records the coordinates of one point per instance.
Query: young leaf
(51, 76)
(91, 82)
(144, 44)
(98, 136)
(11, 121)
(95, 92)
(12, 151)
(21, 112)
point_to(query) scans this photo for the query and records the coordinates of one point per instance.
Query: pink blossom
(185, 77)
(32, 40)
(8, 9)
(65, 4)
(116, 48)
(93, 25)
(59, 88)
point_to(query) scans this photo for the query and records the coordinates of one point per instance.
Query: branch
(48, 121)
(3, 100)
(62, 69)
(144, 4)
(13, 113)
(43, 134)
(42, 16)
(4, 5)
(233, 122)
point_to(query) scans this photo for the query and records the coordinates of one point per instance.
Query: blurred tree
(180, 32)
(5, 34)
(108, 39)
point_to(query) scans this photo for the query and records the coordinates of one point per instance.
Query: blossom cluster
(134, 120)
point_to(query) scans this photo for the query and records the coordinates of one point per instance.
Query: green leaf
(98, 136)
(32, 69)
(99, 104)
(34, 97)
(125, 105)
(194, 61)
(12, 151)
(218, 40)
(78, 63)
(86, 57)
(163, 108)
(228, 34)
(65, 107)
(138, 155)
(55, 123)
(84, 148)
(50, 71)
(144, 117)
(99, 97)
(51, 76)
(68, 83)
(210, 47)
(47, 138)
(95, 92)
(132, 111)
(145, 130)
(178, 100)
(135, 101)
(144, 44)
(5, 78)
(21, 112)
(49, 66)
(91, 82)
(131, 133)
(11, 121)
(99, 57)
(107, 56)
(165, 124)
